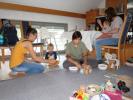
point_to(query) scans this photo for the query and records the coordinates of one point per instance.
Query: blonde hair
(50, 45)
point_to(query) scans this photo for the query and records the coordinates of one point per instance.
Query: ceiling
(77, 6)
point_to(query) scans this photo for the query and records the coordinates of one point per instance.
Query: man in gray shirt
(76, 52)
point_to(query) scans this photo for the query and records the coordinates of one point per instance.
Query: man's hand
(77, 65)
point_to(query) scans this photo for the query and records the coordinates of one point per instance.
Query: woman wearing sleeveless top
(18, 62)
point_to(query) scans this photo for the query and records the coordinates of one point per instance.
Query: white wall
(71, 21)
(102, 4)
(28, 16)
(78, 6)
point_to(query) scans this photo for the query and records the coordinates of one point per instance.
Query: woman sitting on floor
(18, 63)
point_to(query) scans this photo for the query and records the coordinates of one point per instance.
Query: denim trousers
(67, 64)
(29, 68)
(101, 42)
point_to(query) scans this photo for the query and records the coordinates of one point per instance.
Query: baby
(51, 55)
(106, 26)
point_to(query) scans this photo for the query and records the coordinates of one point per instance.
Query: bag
(10, 35)
(1, 38)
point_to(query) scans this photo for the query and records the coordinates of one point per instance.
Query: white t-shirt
(116, 23)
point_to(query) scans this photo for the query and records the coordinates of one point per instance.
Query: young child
(51, 55)
(106, 28)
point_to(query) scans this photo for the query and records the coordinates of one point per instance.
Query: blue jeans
(101, 42)
(29, 68)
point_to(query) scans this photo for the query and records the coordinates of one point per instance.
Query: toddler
(51, 55)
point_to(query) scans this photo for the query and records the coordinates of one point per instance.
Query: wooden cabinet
(113, 3)
(119, 5)
(91, 16)
(0, 23)
(128, 51)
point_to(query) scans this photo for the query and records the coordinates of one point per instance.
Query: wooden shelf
(119, 5)
(128, 51)
(91, 16)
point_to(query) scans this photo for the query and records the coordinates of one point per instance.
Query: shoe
(17, 74)
(99, 61)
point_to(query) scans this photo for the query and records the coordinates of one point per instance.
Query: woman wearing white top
(110, 37)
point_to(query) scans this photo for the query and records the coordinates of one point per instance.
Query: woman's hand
(105, 35)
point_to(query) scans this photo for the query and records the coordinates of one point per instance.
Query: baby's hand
(53, 64)
(52, 61)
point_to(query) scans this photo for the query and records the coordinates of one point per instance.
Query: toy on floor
(86, 69)
(109, 86)
(112, 61)
(108, 91)
(122, 86)
(80, 94)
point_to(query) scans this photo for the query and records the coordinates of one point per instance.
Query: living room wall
(28, 16)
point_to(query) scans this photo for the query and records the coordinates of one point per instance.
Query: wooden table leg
(3, 55)
(41, 50)
(0, 64)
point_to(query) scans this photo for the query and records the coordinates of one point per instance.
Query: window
(18, 31)
(52, 35)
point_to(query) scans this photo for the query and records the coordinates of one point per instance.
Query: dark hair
(31, 30)
(76, 35)
(110, 12)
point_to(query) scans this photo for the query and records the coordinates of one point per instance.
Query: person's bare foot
(16, 74)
